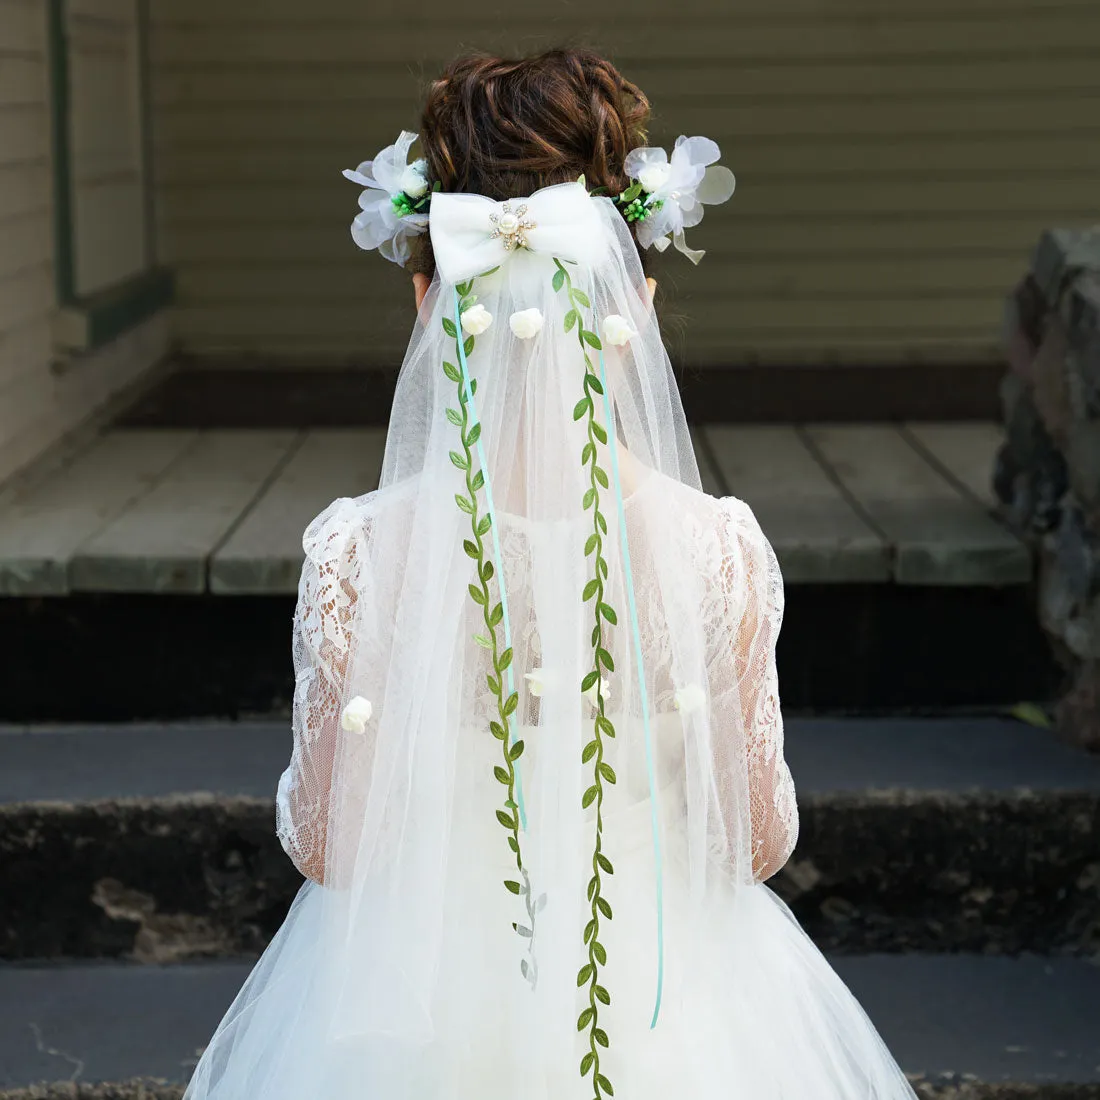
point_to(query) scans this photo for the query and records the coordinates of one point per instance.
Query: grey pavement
(1029, 1019)
(88, 763)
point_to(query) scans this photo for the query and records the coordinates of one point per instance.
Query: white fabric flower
(476, 319)
(355, 716)
(601, 687)
(536, 681)
(617, 330)
(414, 180)
(689, 698)
(686, 185)
(526, 323)
(378, 224)
(654, 176)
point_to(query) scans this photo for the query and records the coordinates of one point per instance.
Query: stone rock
(1059, 256)
(1082, 463)
(1078, 711)
(1030, 473)
(1047, 473)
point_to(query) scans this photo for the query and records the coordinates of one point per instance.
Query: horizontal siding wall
(894, 170)
(41, 400)
(107, 134)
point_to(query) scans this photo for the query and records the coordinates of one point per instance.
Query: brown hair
(500, 127)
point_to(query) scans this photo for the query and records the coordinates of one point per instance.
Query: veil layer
(458, 865)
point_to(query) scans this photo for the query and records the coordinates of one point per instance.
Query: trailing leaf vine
(492, 618)
(588, 978)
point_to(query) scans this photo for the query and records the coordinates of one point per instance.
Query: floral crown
(665, 195)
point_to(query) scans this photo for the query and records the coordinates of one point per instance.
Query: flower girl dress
(538, 778)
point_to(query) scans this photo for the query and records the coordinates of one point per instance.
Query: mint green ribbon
(499, 561)
(632, 605)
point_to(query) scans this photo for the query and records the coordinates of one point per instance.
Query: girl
(538, 777)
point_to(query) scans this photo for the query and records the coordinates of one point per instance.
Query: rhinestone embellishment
(511, 227)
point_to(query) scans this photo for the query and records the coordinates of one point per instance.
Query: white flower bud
(355, 716)
(414, 180)
(476, 320)
(654, 176)
(689, 698)
(617, 330)
(526, 323)
(602, 687)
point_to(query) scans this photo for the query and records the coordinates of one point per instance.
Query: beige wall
(894, 169)
(42, 396)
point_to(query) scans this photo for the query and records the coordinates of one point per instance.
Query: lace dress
(749, 1007)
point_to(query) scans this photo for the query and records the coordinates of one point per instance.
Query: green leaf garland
(588, 978)
(492, 612)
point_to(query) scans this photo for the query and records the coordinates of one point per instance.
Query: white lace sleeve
(327, 596)
(753, 568)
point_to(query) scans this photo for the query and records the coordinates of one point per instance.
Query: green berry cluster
(405, 204)
(634, 204)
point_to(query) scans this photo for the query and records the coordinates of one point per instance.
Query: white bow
(561, 221)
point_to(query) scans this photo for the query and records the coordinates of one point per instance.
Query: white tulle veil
(537, 743)
(410, 614)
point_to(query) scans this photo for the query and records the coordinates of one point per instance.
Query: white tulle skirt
(750, 1006)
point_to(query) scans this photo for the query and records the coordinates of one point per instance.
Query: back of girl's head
(504, 128)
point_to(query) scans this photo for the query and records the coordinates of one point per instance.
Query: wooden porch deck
(222, 511)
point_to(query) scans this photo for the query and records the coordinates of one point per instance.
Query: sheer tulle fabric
(397, 973)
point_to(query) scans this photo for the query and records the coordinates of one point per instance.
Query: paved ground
(1028, 1020)
(89, 763)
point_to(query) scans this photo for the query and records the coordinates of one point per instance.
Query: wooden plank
(345, 279)
(270, 326)
(214, 14)
(758, 162)
(967, 450)
(709, 474)
(264, 553)
(315, 40)
(326, 238)
(940, 536)
(27, 241)
(42, 529)
(401, 83)
(243, 203)
(24, 133)
(161, 543)
(26, 295)
(817, 535)
(23, 80)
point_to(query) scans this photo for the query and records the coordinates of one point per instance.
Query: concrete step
(156, 842)
(190, 540)
(966, 1025)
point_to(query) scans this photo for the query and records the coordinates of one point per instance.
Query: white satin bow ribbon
(567, 224)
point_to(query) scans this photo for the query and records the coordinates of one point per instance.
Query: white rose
(690, 697)
(414, 180)
(617, 330)
(600, 687)
(476, 320)
(526, 323)
(355, 716)
(654, 176)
